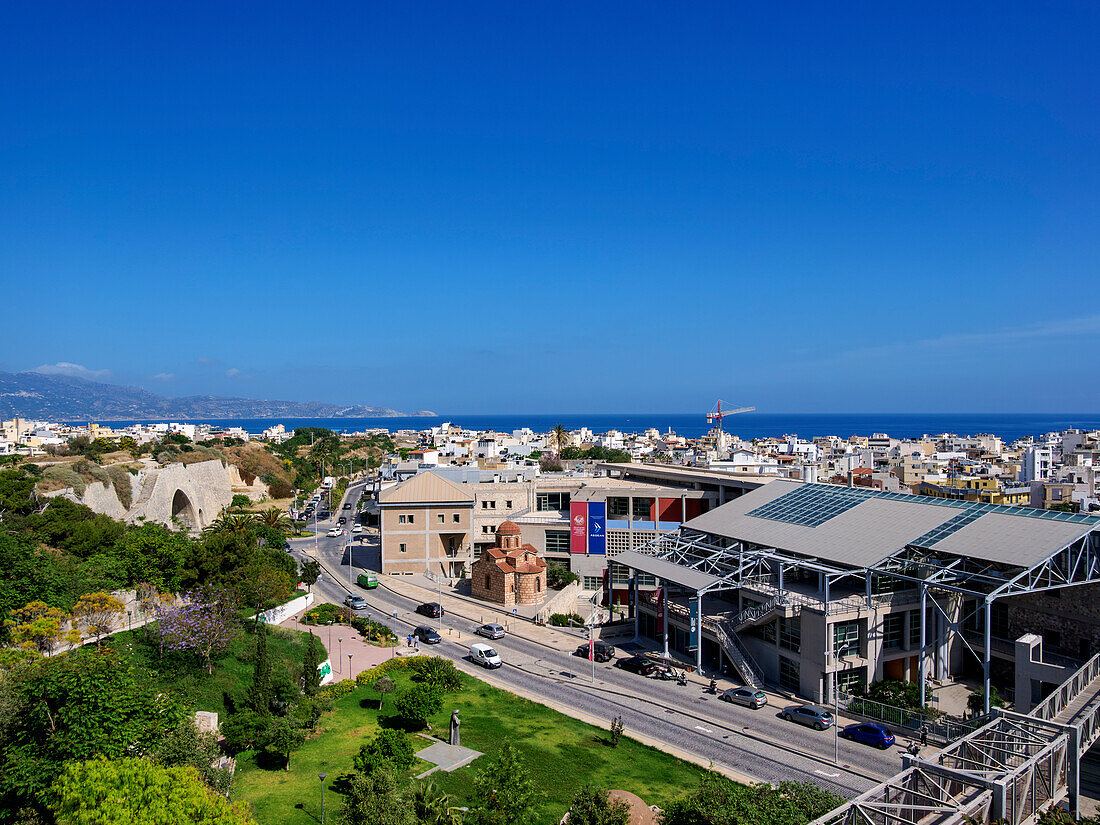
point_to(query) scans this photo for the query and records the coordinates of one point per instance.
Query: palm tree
(273, 517)
(230, 523)
(560, 436)
(432, 806)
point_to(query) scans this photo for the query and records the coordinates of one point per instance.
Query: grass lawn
(561, 753)
(184, 675)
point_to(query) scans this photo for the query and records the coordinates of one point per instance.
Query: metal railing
(941, 728)
(738, 654)
(1068, 691)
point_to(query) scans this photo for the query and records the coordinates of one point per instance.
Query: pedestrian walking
(923, 735)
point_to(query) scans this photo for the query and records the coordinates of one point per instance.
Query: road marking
(704, 730)
(830, 775)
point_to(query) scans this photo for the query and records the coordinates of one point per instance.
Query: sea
(1009, 426)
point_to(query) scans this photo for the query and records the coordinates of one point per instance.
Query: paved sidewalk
(341, 640)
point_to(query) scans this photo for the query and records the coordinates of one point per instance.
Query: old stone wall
(530, 587)
(1068, 619)
(499, 588)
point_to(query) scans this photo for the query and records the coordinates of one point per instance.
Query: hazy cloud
(164, 376)
(72, 370)
(208, 362)
(232, 372)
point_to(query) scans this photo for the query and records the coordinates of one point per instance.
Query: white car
(334, 532)
(485, 656)
(358, 528)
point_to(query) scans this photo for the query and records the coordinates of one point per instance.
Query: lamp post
(349, 664)
(322, 776)
(340, 640)
(129, 624)
(370, 628)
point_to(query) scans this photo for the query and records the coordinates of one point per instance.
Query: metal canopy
(667, 570)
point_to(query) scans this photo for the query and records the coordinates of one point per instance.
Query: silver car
(748, 697)
(809, 715)
(490, 631)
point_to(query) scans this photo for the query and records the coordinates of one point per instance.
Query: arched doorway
(183, 511)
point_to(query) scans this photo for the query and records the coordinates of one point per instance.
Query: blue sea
(1009, 426)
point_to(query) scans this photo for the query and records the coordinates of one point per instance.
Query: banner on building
(578, 527)
(693, 623)
(597, 527)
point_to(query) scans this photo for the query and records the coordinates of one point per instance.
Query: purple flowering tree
(204, 624)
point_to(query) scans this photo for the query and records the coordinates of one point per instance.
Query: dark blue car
(869, 733)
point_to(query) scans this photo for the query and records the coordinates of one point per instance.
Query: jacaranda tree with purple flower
(204, 624)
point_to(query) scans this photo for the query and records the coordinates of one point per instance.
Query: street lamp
(129, 624)
(349, 664)
(341, 642)
(322, 776)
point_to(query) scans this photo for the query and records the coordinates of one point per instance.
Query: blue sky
(509, 207)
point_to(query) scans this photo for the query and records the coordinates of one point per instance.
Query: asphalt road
(758, 744)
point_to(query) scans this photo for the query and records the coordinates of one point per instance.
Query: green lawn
(562, 753)
(183, 675)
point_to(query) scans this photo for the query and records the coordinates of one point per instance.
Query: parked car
(342, 520)
(485, 655)
(427, 635)
(356, 602)
(749, 697)
(357, 528)
(491, 631)
(602, 651)
(347, 505)
(433, 610)
(286, 546)
(367, 581)
(869, 733)
(333, 533)
(634, 664)
(809, 715)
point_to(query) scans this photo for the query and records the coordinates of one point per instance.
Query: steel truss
(922, 794)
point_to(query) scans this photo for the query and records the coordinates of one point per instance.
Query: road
(757, 744)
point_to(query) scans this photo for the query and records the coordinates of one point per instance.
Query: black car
(427, 635)
(602, 651)
(433, 610)
(637, 664)
(342, 520)
(347, 505)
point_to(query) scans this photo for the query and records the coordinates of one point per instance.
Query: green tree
(389, 747)
(308, 572)
(37, 626)
(274, 518)
(975, 702)
(437, 671)
(138, 792)
(419, 703)
(260, 690)
(244, 730)
(558, 576)
(432, 806)
(720, 801)
(560, 436)
(594, 806)
(185, 745)
(311, 661)
(377, 799)
(284, 736)
(383, 685)
(98, 612)
(240, 502)
(504, 792)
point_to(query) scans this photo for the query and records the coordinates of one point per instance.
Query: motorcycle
(712, 688)
(665, 674)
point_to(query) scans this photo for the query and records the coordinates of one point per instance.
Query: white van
(485, 655)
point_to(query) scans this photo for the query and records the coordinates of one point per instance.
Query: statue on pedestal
(455, 722)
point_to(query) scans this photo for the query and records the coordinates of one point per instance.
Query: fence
(941, 729)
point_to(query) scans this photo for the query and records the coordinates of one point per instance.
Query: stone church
(510, 573)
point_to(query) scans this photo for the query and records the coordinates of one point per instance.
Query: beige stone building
(426, 527)
(511, 572)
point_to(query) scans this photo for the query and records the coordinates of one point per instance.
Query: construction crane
(717, 414)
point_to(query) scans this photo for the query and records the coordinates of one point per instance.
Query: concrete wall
(427, 540)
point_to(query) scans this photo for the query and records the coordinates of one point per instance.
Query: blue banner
(597, 527)
(693, 619)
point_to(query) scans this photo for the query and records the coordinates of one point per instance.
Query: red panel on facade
(660, 611)
(578, 527)
(694, 508)
(671, 510)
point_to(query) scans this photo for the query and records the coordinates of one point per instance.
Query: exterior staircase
(738, 654)
(758, 614)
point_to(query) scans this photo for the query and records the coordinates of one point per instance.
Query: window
(618, 507)
(552, 501)
(620, 574)
(914, 629)
(557, 541)
(402, 547)
(592, 582)
(538, 585)
(412, 518)
(488, 505)
(508, 504)
(642, 508)
(789, 675)
(646, 580)
(401, 519)
(846, 638)
(852, 681)
(790, 633)
(456, 518)
(442, 518)
(488, 582)
(892, 628)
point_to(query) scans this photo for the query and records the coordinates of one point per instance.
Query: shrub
(375, 631)
(368, 676)
(566, 620)
(557, 576)
(433, 670)
(244, 730)
(327, 613)
(419, 703)
(338, 690)
(120, 481)
(389, 747)
(65, 475)
(240, 500)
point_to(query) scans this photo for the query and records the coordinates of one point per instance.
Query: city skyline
(521, 209)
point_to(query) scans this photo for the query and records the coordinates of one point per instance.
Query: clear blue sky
(559, 207)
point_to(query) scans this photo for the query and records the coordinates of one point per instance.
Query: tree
(388, 747)
(721, 801)
(437, 671)
(558, 576)
(616, 731)
(205, 625)
(275, 518)
(308, 572)
(419, 703)
(261, 691)
(129, 445)
(98, 612)
(504, 792)
(311, 662)
(975, 702)
(376, 799)
(594, 806)
(37, 626)
(433, 806)
(284, 735)
(560, 436)
(139, 792)
(239, 523)
(239, 501)
(185, 745)
(383, 685)
(244, 730)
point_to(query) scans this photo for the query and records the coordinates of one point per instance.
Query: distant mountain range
(62, 398)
